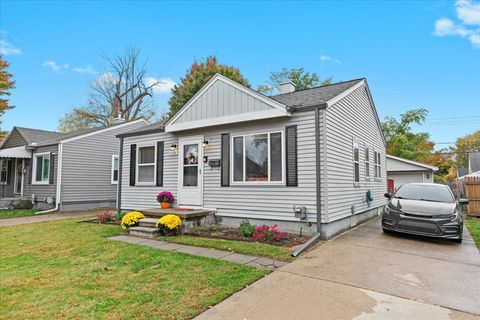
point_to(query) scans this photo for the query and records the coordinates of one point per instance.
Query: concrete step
(144, 232)
(148, 222)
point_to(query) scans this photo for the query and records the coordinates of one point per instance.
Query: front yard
(473, 226)
(15, 213)
(68, 270)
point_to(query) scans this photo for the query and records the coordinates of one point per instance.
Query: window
(258, 158)
(41, 168)
(190, 165)
(356, 163)
(115, 166)
(367, 162)
(3, 170)
(146, 165)
(378, 168)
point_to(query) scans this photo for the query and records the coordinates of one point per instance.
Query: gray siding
(44, 190)
(14, 140)
(6, 188)
(87, 164)
(352, 118)
(246, 201)
(220, 100)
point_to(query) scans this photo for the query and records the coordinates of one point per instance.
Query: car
(425, 209)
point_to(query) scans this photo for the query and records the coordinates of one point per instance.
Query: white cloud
(6, 48)
(325, 58)
(88, 69)
(163, 85)
(54, 66)
(468, 27)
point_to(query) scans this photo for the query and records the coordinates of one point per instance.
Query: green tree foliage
(197, 76)
(6, 84)
(301, 79)
(464, 145)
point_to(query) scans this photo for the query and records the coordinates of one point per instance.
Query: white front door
(190, 172)
(19, 165)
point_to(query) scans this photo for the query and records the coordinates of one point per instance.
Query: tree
(123, 91)
(301, 79)
(402, 141)
(197, 76)
(464, 145)
(6, 84)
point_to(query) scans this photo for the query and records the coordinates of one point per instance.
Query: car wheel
(386, 230)
(458, 240)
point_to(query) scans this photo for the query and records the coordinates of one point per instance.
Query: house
(76, 170)
(244, 155)
(401, 171)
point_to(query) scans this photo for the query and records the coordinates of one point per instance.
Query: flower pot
(164, 205)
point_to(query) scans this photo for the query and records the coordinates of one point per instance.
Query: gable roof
(36, 135)
(411, 162)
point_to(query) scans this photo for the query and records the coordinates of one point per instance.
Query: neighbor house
(67, 171)
(244, 155)
(401, 171)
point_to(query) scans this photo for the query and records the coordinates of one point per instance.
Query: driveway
(366, 274)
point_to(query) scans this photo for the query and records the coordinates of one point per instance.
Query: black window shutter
(225, 160)
(133, 163)
(291, 156)
(52, 168)
(160, 163)
(9, 171)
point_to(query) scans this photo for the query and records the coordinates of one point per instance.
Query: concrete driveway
(366, 274)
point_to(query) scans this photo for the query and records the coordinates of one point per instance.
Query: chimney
(118, 120)
(286, 87)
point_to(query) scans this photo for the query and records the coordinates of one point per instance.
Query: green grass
(473, 226)
(5, 214)
(251, 248)
(68, 270)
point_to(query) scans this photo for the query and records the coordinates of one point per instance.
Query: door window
(190, 165)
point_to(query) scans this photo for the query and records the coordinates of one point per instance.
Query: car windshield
(424, 192)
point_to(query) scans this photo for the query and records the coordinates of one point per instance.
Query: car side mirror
(463, 201)
(387, 195)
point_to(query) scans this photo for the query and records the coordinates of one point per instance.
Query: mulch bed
(217, 232)
(95, 221)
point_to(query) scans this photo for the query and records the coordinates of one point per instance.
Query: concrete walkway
(254, 261)
(44, 217)
(366, 274)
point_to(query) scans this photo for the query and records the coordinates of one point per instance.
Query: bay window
(258, 158)
(146, 164)
(41, 168)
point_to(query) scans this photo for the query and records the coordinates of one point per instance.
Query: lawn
(473, 226)
(251, 248)
(5, 214)
(68, 270)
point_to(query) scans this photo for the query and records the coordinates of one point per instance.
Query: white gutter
(59, 181)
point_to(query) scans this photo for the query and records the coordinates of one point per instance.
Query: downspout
(59, 181)
(318, 185)
(119, 186)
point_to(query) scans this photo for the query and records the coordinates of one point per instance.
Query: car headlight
(389, 210)
(454, 216)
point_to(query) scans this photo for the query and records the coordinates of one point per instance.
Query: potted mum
(165, 198)
(169, 225)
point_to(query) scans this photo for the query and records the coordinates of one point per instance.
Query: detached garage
(401, 171)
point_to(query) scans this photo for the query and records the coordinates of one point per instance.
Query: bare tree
(122, 92)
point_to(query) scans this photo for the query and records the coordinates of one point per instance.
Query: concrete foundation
(331, 229)
(87, 205)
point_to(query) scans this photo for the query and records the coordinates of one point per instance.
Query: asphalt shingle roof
(36, 135)
(68, 135)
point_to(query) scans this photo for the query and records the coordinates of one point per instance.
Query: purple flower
(165, 196)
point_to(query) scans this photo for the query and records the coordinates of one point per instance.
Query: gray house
(69, 171)
(244, 155)
(401, 171)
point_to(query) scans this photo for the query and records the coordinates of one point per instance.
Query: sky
(413, 53)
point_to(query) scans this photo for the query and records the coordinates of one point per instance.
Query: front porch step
(148, 222)
(144, 232)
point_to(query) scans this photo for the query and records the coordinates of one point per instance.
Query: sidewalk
(44, 217)
(254, 261)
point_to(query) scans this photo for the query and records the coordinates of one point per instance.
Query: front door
(190, 172)
(19, 165)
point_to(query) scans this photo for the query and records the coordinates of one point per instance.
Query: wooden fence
(471, 187)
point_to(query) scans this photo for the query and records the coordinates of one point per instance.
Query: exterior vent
(286, 87)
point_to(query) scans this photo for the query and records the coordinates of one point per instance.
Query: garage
(401, 171)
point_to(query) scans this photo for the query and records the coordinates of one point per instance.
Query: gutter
(119, 185)
(59, 180)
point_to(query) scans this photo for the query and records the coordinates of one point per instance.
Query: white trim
(15, 181)
(367, 163)
(103, 130)
(218, 77)
(137, 164)
(250, 183)
(266, 114)
(355, 146)
(345, 93)
(59, 175)
(114, 156)
(34, 168)
(415, 163)
(197, 139)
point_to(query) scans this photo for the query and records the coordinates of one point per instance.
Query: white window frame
(34, 168)
(249, 183)
(112, 181)
(2, 161)
(137, 165)
(355, 146)
(377, 165)
(368, 172)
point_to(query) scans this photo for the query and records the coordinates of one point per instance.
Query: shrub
(131, 219)
(268, 233)
(169, 224)
(246, 229)
(105, 216)
(24, 204)
(120, 215)
(165, 196)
